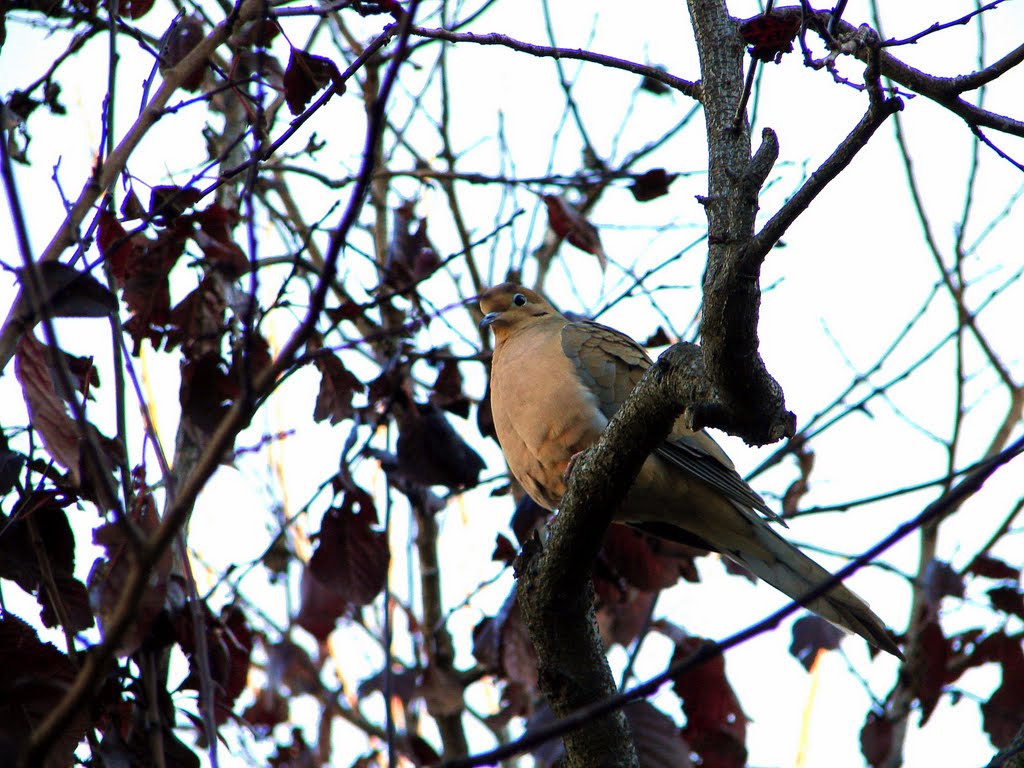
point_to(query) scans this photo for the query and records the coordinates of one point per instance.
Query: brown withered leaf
(306, 74)
(1003, 713)
(629, 554)
(18, 561)
(716, 727)
(993, 568)
(622, 618)
(442, 691)
(447, 390)
(941, 580)
(812, 634)
(568, 223)
(658, 740)
(928, 681)
(403, 683)
(1008, 600)
(319, 606)
(109, 575)
(528, 517)
(352, 554)
(66, 292)
(504, 551)
(337, 384)
(410, 257)
(268, 710)
(207, 391)
(876, 738)
(168, 202)
(770, 35)
(290, 669)
(44, 675)
(502, 645)
(651, 185)
(59, 432)
(214, 237)
(431, 452)
(198, 322)
(799, 487)
(229, 643)
(184, 34)
(484, 416)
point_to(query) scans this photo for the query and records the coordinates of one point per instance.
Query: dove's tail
(789, 570)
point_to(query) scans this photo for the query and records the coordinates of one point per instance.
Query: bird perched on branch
(555, 384)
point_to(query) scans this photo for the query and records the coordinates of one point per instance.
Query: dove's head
(509, 306)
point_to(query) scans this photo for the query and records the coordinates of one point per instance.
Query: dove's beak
(489, 318)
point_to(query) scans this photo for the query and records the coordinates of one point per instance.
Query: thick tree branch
(752, 402)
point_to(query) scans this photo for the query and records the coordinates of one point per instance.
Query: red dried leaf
(66, 292)
(167, 203)
(337, 385)
(716, 727)
(812, 634)
(566, 222)
(352, 555)
(114, 244)
(46, 409)
(198, 322)
(622, 618)
(109, 575)
(630, 555)
(927, 683)
(1004, 711)
(411, 257)
(136, 9)
(651, 185)
(402, 684)
(504, 550)
(289, 668)
(993, 568)
(501, 644)
(36, 677)
(214, 237)
(658, 740)
(799, 487)
(269, 709)
(207, 391)
(1009, 600)
(229, 646)
(447, 390)
(319, 607)
(876, 739)
(179, 41)
(484, 417)
(431, 452)
(441, 689)
(306, 74)
(659, 338)
(941, 580)
(770, 35)
(528, 517)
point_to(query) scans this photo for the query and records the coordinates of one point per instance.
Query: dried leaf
(811, 635)
(306, 74)
(66, 292)
(504, 551)
(993, 568)
(716, 726)
(567, 222)
(184, 34)
(352, 554)
(337, 385)
(36, 678)
(431, 452)
(651, 185)
(876, 738)
(320, 607)
(1008, 600)
(447, 390)
(770, 35)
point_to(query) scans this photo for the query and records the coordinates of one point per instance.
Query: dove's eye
(519, 300)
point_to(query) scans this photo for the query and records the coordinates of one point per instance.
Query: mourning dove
(554, 386)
